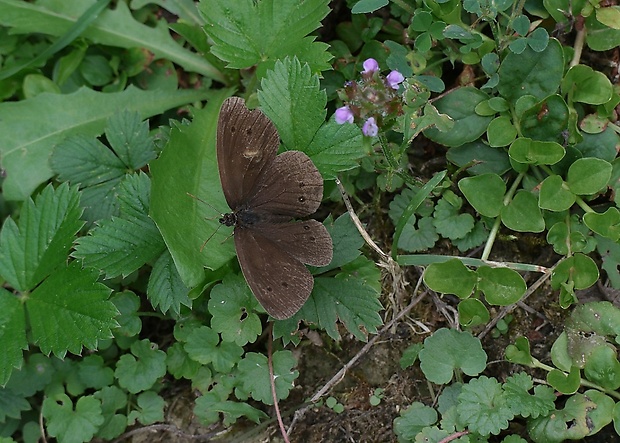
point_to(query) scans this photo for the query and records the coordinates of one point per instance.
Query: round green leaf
(451, 277)
(501, 132)
(460, 105)
(587, 176)
(472, 312)
(566, 384)
(554, 196)
(523, 214)
(519, 352)
(501, 286)
(579, 268)
(545, 120)
(485, 193)
(602, 367)
(535, 152)
(606, 224)
(586, 85)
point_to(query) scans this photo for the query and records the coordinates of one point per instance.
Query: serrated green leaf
(482, 406)
(346, 240)
(347, 298)
(123, 244)
(447, 350)
(12, 334)
(233, 307)
(93, 373)
(248, 33)
(521, 402)
(140, 370)
(150, 409)
(12, 404)
(420, 239)
(166, 290)
(69, 425)
(188, 165)
(32, 249)
(410, 355)
(336, 148)
(70, 310)
(447, 220)
(179, 364)
(413, 420)
(112, 399)
(291, 98)
(25, 152)
(451, 277)
(254, 372)
(203, 345)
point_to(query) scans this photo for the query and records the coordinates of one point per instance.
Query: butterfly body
(265, 191)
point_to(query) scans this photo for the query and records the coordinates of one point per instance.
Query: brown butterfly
(265, 192)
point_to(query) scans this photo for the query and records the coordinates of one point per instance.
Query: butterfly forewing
(280, 282)
(295, 186)
(247, 143)
(308, 241)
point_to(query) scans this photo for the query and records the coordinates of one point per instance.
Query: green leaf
(501, 132)
(140, 370)
(410, 355)
(532, 73)
(447, 350)
(459, 104)
(554, 194)
(606, 224)
(114, 27)
(150, 409)
(30, 251)
(485, 159)
(523, 214)
(584, 84)
(521, 402)
(602, 367)
(565, 383)
(413, 420)
(122, 245)
(418, 239)
(70, 310)
(472, 312)
(12, 404)
(291, 98)
(447, 220)
(179, 364)
(587, 176)
(12, 335)
(483, 407)
(69, 425)
(545, 120)
(579, 269)
(94, 374)
(535, 152)
(501, 286)
(451, 277)
(128, 304)
(203, 345)
(165, 289)
(366, 6)
(188, 165)
(519, 353)
(571, 423)
(254, 372)
(336, 148)
(485, 193)
(25, 152)
(233, 307)
(112, 399)
(346, 240)
(248, 33)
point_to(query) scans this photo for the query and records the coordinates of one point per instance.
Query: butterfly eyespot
(269, 289)
(312, 238)
(301, 199)
(284, 284)
(233, 129)
(302, 184)
(307, 227)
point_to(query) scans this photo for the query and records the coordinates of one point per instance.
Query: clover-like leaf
(485, 193)
(233, 308)
(69, 425)
(150, 409)
(587, 176)
(128, 304)
(554, 194)
(203, 345)
(501, 286)
(254, 373)
(447, 350)
(606, 224)
(140, 370)
(483, 406)
(565, 383)
(523, 214)
(112, 399)
(451, 277)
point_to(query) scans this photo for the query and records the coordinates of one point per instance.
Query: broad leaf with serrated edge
(247, 33)
(125, 243)
(30, 250)
(140, 370)
(72, 425)
(70, 309)
(166, 290)
(254, 373)
(12, 335)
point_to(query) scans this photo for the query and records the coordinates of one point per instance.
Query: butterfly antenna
(210, 237)
(202, 201)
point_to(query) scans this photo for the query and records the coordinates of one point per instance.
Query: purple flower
(344, 115)
(370, 128)
(394, 79)
(370, 65)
